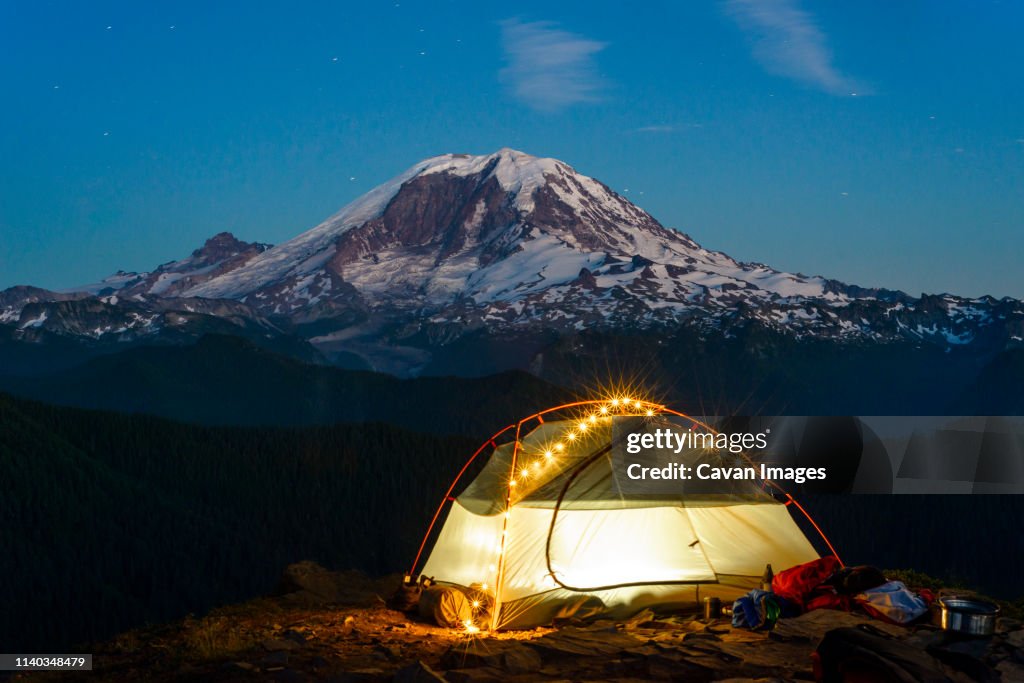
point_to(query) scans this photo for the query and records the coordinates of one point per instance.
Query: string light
(578, 430)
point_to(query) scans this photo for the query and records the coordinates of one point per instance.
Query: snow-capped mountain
(498, 244)
(492, 232)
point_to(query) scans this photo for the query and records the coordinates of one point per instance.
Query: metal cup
(712, 608)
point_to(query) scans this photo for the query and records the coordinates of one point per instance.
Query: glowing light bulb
(615, 402)
(508, 515)
(483, 586)
(511, 482)
(571, 436)
(592, 418)
(583, 426)
(476, 604)
(490, 568)
(604, 410)
(650, 413)
(548, 454)
(524, 473)
(559, 446)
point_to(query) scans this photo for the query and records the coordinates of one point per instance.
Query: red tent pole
(448, 493)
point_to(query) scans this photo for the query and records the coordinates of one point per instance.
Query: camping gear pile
(824, 584)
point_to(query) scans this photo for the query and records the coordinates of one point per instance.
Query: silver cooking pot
(965, 615)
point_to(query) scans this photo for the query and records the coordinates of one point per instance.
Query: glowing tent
(545, 529)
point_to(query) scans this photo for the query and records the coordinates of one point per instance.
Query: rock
(1015, 639)
(519, 659)
(310, 578)
(279, 644)
(417, 672)
(241, 666)
(638, 618)
(1011, 671)
(507, 656)
(659, 625)
(289, 676)
(475, 675)
(274, 660)
(348, 626)
(575, 641)
(389, 652)
(361, 676)
(295, 636)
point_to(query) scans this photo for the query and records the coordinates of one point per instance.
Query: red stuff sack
(796, 583)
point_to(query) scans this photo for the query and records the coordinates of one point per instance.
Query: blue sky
(130, 132)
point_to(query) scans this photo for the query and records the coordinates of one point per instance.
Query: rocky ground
(326, 626)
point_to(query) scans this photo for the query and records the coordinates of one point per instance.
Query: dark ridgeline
(230, 380)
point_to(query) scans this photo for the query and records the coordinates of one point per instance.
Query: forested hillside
(111, 521)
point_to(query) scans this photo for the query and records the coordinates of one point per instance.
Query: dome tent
(547, 528)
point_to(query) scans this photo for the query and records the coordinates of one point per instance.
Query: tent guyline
(554, 481)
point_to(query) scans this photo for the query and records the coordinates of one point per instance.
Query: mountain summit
(487, 229)
(500, 245)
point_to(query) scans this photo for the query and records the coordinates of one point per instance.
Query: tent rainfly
(545, 529)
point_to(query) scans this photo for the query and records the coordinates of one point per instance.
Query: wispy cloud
(547, 68)
(666, 128)
(656, 129)
(788, 42)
